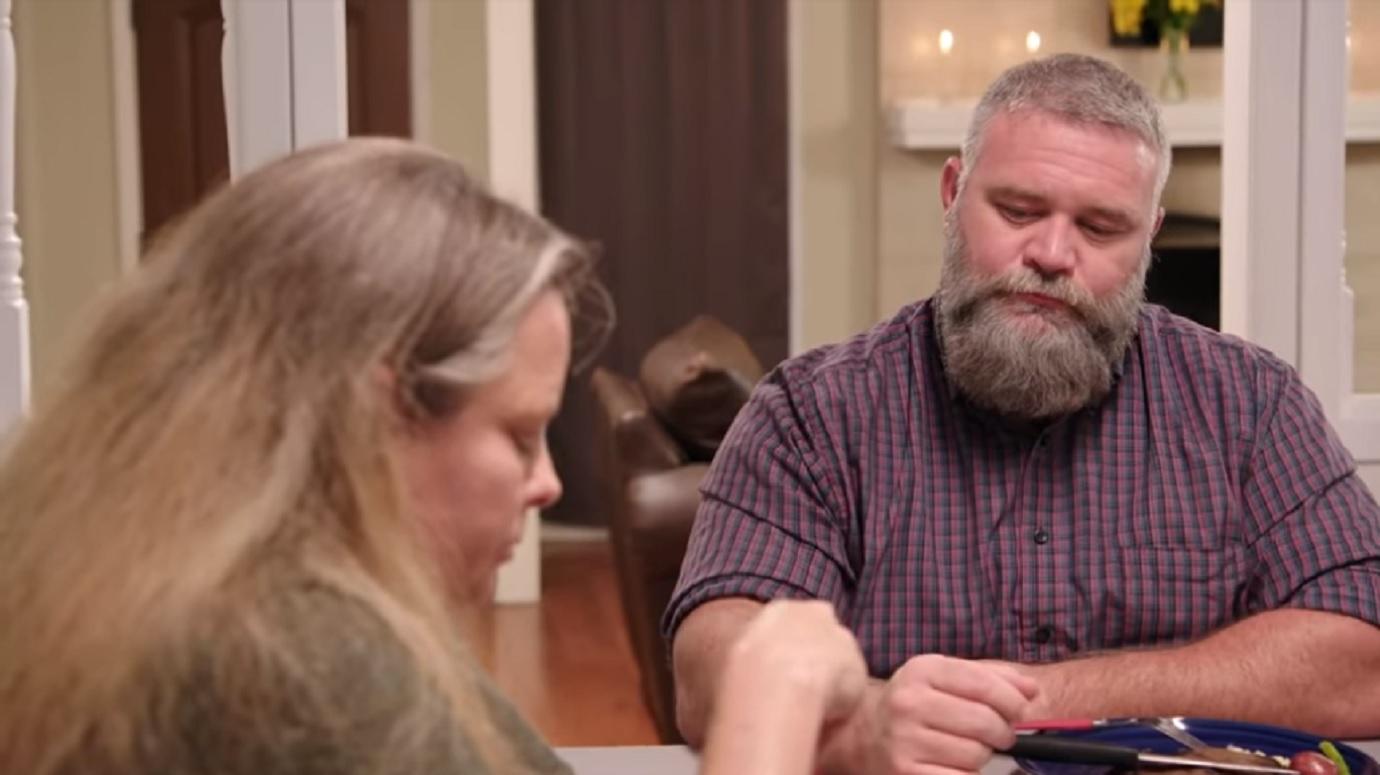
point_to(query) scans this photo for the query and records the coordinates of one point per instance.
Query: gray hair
(1077, 88)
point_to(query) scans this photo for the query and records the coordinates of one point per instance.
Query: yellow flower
(1189, 7)
(1127, 15)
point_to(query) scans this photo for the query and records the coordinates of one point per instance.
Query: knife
(1059, 749)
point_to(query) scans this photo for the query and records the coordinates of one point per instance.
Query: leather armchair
(657, 435)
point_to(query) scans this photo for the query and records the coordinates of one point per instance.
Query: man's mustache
(1078, 300)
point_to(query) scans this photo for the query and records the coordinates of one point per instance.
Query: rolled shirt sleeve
(769, 524)
(1319, 527)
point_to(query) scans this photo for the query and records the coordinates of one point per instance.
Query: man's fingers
(971, 681)
(951, 715)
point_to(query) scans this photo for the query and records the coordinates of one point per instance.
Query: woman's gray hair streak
(1077, 88)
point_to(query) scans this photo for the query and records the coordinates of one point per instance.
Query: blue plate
(1275, 741)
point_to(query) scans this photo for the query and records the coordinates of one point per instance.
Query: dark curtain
(663, 139)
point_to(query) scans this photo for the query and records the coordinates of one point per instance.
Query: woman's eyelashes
(529, 443)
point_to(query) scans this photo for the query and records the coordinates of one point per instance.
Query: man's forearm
(1304, 669)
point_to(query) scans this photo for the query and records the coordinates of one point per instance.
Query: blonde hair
(231, 408)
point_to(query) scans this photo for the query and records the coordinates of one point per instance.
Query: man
(1032, 496)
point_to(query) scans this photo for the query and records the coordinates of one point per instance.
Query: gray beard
(998, 363)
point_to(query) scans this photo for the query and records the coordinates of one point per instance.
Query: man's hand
(938, 715)
(1043, 705)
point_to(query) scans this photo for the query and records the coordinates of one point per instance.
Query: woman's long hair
(232, 406)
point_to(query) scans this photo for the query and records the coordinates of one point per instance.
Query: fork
(1173, 727)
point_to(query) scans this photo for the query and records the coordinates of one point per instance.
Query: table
(678, 760)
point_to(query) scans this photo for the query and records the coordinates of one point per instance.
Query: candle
(946, 42)
(1032, 42)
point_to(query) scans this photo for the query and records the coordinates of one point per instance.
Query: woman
(288, 451)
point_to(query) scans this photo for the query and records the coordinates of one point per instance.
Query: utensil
(1272, 741)
(1061, 749)
(1172, 727)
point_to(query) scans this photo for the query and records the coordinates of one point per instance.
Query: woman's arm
(794, 670)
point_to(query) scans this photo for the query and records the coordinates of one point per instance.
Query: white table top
(678, 760)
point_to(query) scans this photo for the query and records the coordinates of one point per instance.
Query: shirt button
(1043, 634)
(1041, 536)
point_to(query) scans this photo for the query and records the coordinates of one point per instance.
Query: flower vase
(1173, 86)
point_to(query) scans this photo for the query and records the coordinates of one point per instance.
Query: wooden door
(182, 131)
(182, 134)
(378, 70)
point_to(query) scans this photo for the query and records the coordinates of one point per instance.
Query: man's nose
(1050, 250)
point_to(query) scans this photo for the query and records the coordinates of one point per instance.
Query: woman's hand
(801, 644)
(793, 670)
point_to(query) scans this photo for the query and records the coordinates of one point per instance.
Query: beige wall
(1363, 260)
(456, 80)
(66, 194)
(990, 36)
(834, 143)
(1370, 474)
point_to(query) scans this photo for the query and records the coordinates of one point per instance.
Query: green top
(339, 695)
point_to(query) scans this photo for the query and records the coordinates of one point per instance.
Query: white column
(1261, 188)
(319, 109)
(284, 77)
(1283, 189)
(512, 63)
(256, 68)
(1327, 311)
(1324, 361)
(14, 310)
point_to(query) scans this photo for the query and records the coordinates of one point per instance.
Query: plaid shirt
(1207, 486)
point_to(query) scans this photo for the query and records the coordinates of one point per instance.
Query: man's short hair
(1076, 88)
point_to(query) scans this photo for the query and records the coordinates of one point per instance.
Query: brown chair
(657, 436)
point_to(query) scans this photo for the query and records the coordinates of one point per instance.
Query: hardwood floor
(565, 661)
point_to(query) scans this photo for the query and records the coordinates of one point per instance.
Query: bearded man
(1034, 495)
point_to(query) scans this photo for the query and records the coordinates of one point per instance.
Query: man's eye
(1016, 214)
(1100, 231)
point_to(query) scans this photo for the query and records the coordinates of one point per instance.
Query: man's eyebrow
(1012, 192)
(1113, 216)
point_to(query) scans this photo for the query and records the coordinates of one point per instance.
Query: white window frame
(1283, 201)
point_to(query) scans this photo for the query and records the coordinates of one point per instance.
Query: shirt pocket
(1160, 595)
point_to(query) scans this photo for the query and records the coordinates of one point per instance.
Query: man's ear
(948, 182)
(1159, 221)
